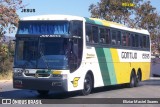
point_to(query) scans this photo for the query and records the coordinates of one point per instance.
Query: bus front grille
(30, 74)
(36, 75)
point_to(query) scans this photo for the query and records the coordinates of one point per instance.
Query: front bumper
(40, 83)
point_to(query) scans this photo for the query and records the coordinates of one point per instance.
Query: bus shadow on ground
(65, 95)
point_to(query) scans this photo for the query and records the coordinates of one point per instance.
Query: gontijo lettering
(129, 55)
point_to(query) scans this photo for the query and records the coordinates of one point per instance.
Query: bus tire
(88, 85)
(43, 92)
(132, 80)
(138, 79)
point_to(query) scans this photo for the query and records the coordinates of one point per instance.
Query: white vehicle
(155, 68)
(69, 53)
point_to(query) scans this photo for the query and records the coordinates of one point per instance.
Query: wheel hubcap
(132, 81)
(138, 77)
(87, 85)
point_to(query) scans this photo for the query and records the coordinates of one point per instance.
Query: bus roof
(88, 20)
(53, 17)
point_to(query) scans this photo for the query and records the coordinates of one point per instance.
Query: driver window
(77, 28)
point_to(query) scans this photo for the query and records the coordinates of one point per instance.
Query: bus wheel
(88, 85)
(138, 79)
(132, 80)
(43, 92)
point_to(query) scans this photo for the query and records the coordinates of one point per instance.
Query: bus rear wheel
(138, 79)
(132, 80)
(43, 92)
(88, 85)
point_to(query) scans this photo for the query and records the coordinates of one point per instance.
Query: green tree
(8, 16)
(156, 37)
(3, 57)
(8, 22)
(145, 16)
(113, 10)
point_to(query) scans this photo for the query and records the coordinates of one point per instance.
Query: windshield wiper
(42, 55)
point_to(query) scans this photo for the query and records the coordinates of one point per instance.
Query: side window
(88, 33)
(148, 42)
(144, 43)
(125, 39)
(114, 42)
(95, 34)
(102, 36)
(133, 40)
(141, 41)
(118, 38)
(77, 28)
(136, 40)
(107, 36)
(128, 39)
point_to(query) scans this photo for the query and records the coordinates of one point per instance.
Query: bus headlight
(17, 73)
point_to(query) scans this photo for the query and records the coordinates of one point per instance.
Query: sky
(68, 7)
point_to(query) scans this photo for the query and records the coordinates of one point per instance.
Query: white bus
(69, 53)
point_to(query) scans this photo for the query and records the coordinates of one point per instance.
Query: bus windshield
(47, 53)
(43, 27)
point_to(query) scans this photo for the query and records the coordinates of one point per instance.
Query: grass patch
(6, 75)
